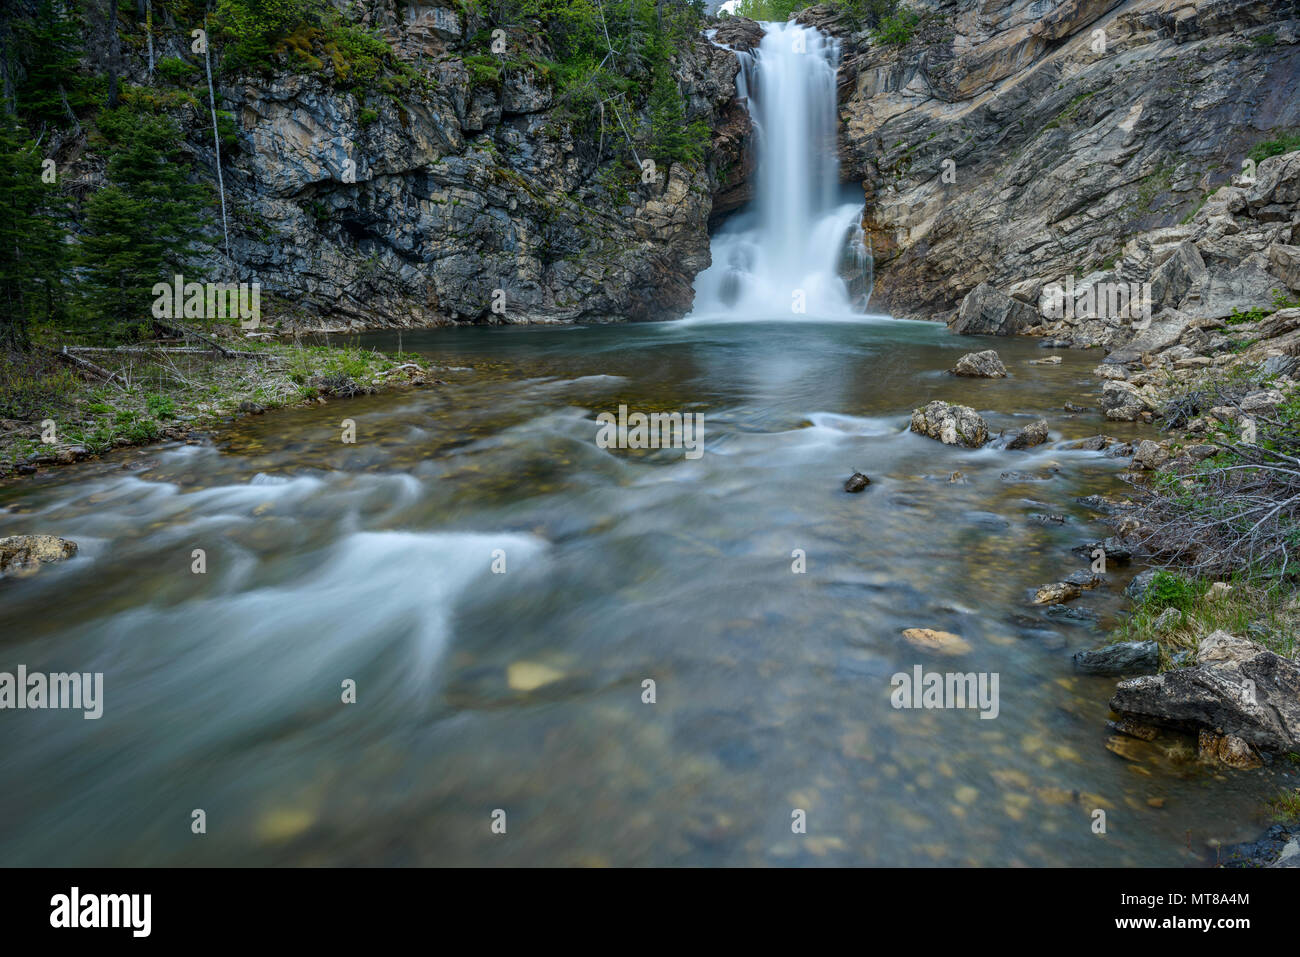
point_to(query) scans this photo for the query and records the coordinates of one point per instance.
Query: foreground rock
(23, 555)
(982, 365)
(1238, 689)
(951, 424)
(1121, 658)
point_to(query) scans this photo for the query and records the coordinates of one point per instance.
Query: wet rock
(1101, 503)
(1237, 688)
(251, 408)
(1121, 658)
(1093, 443)
(857, 482)
(985, 311)
(985, 365)
(1013, 475)
(1084, 578)
(23, 555)
(1056, 593)
(1073, 407)
(1115, 550)
(1134, 729)
(1048, 518)
(951, 424)
(1031, 435)
(941, 642)
(1228, 750)
(1048, 361)
(1267, 850)
(530, 675)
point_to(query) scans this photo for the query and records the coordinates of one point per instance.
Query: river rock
(1226, 749)
(1031, 435)
(1121, 658)
(942, 642)
(857, 482)
(23, 555)
(985, 365)
(1214, 695)
(1056, 593)
(951, 424)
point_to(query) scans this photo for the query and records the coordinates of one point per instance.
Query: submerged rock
(943, 642)
(23, 555)
(984, 365)
(951, 424)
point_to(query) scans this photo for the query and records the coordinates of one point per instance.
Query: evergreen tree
(141, 226)
(48, 91)
(31, 247)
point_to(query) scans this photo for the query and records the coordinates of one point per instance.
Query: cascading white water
(786, 254)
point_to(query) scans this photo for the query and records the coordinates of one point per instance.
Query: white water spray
(787, 254)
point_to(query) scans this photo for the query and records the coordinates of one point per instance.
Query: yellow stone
(529, 676)
(284, 824)
(943, 642)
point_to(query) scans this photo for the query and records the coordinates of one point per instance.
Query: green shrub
(1286, 143)
(177, 71)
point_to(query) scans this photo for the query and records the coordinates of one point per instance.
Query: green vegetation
(1286, 143)
(897, 28)
(143, 222)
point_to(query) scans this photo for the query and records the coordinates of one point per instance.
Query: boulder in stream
(857, 483)
(23, 555)
(951, 424)
(981, 365)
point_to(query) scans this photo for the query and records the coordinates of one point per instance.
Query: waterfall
(790, 251)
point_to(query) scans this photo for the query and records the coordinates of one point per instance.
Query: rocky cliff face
(1065, 129)
(414, 210)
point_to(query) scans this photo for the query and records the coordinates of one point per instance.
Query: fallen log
(187, 333)
(87, 366)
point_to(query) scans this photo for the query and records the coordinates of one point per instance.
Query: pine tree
(141, 226)
(48, 91)
(31, 247)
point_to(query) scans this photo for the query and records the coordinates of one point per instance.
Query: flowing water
(782, 256)
(500, 589)
(374, 561)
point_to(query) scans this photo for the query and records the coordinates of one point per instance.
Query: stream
(522, 690)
